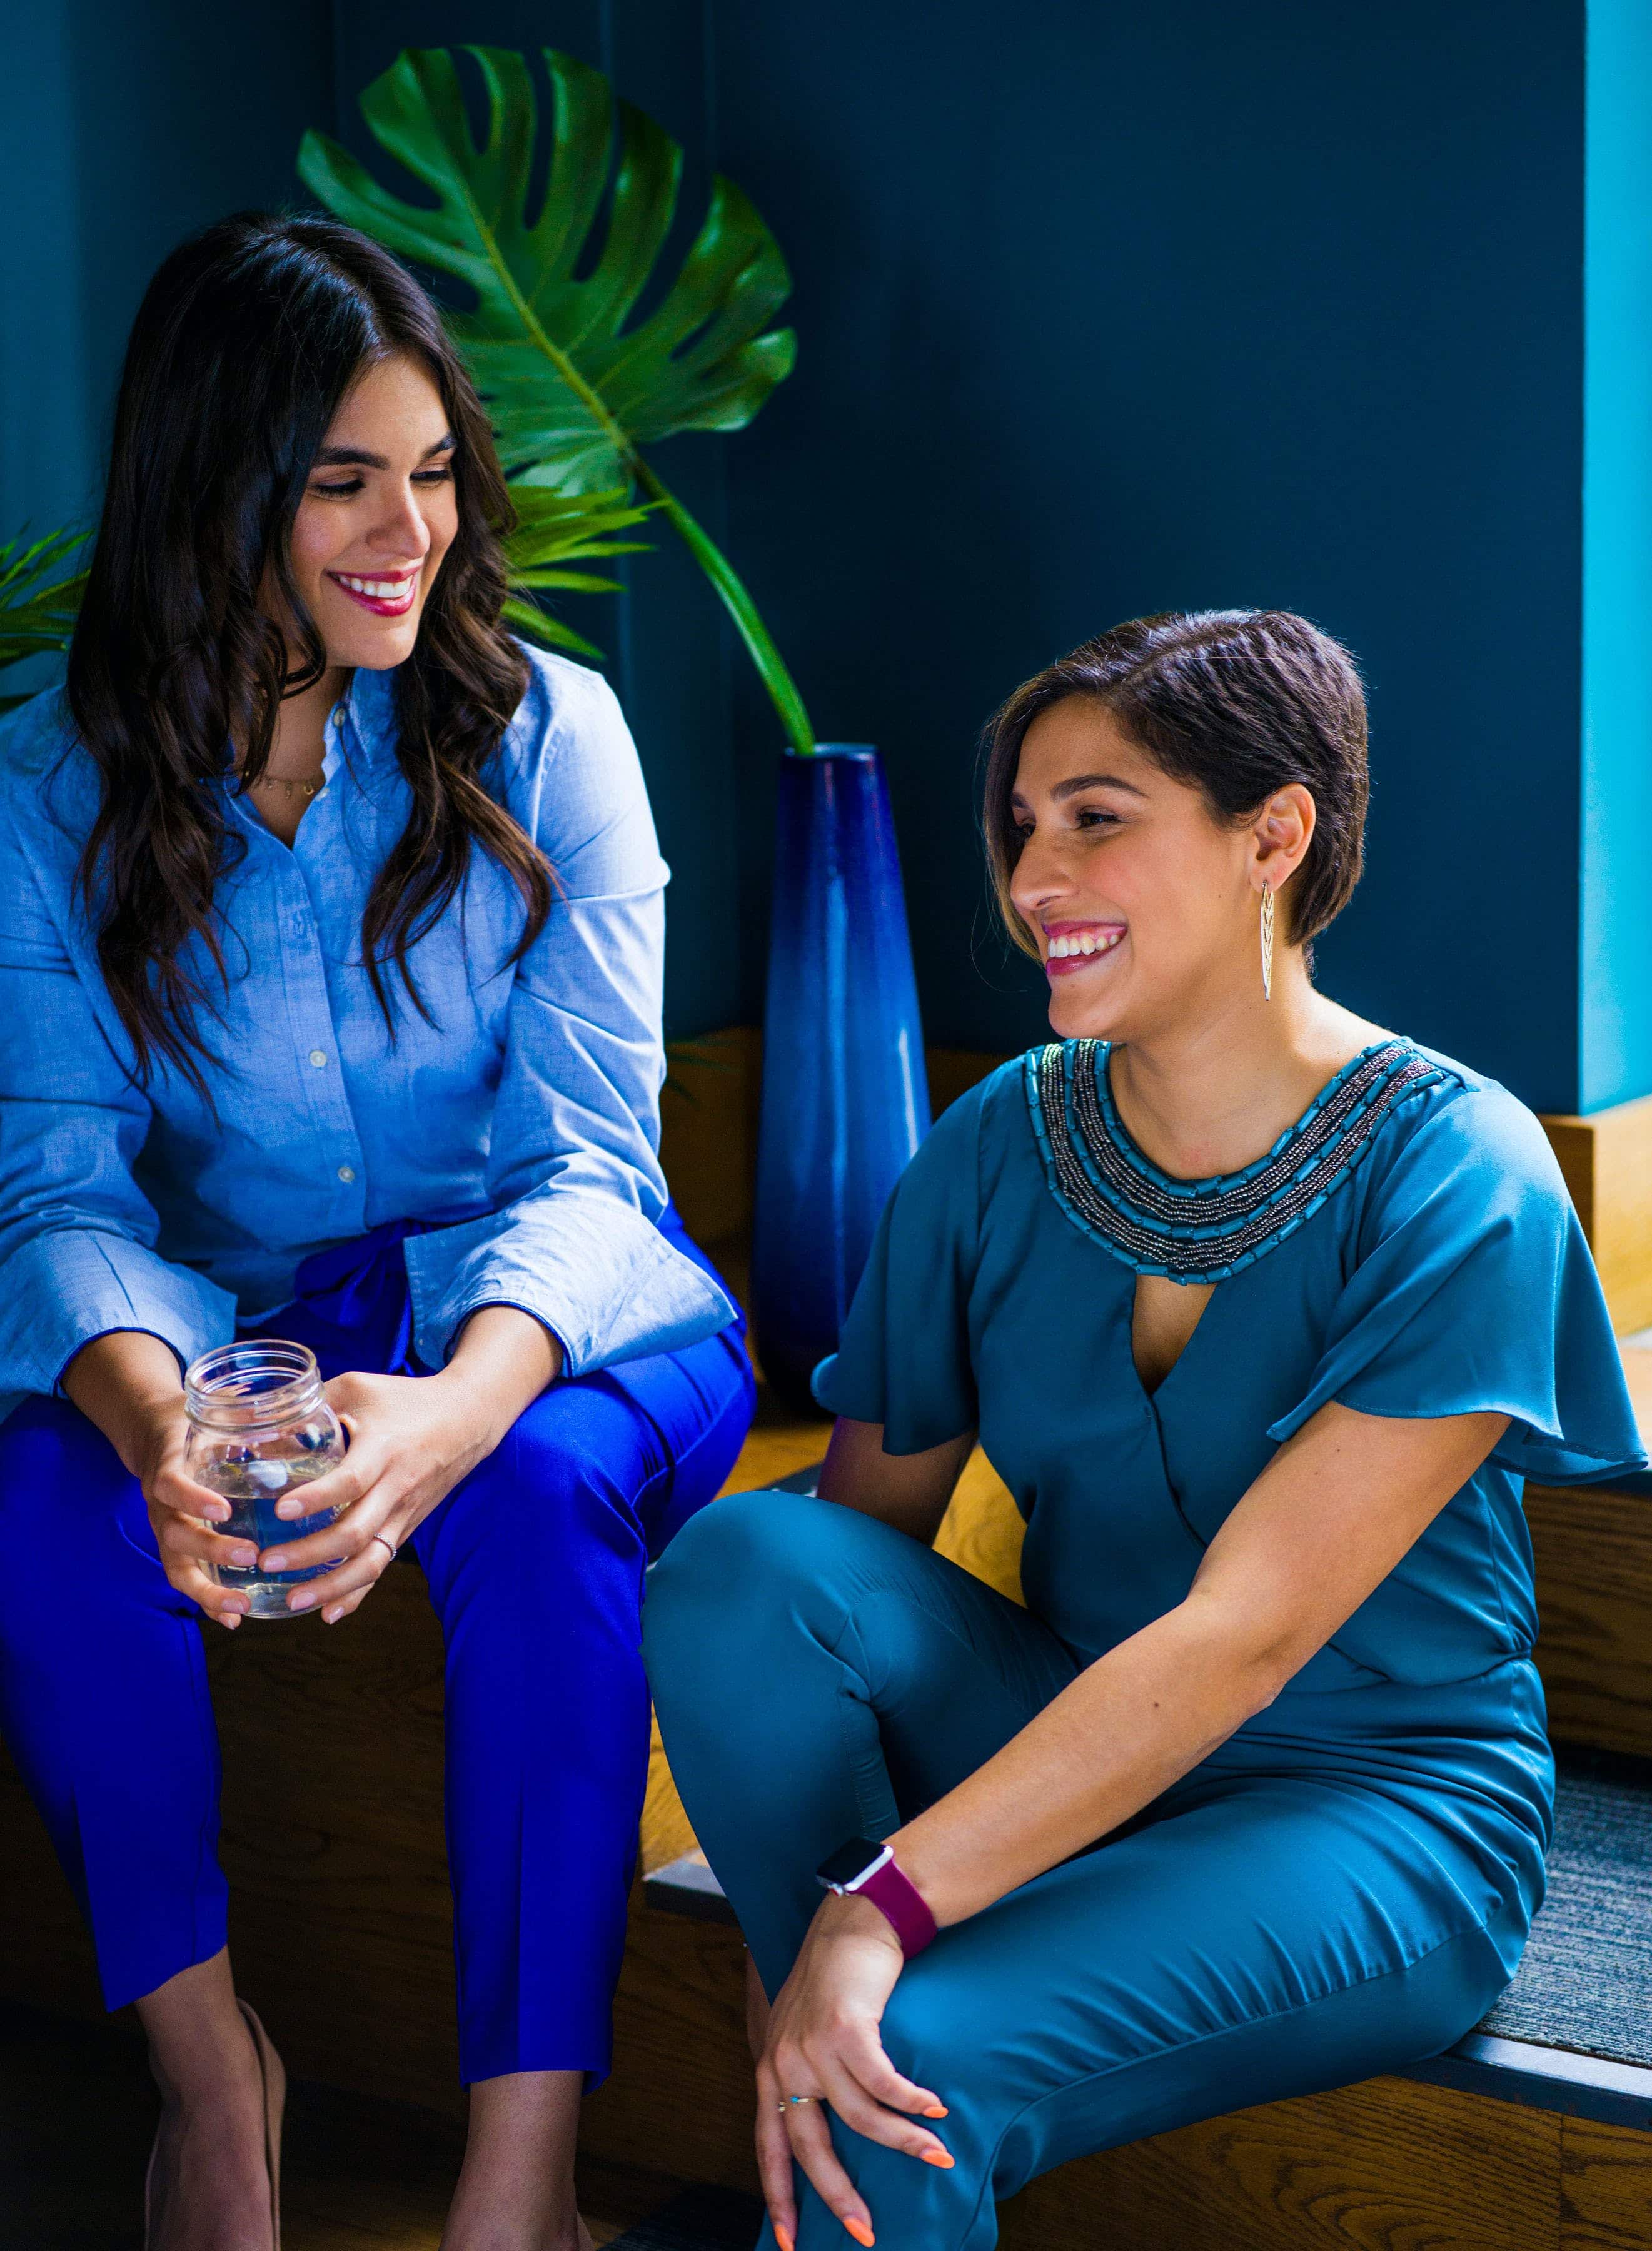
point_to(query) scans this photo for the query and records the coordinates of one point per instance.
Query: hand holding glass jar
(260, 1431)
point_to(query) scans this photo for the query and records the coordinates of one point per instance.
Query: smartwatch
(865, 1869)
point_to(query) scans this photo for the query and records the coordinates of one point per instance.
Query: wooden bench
(342, 1929)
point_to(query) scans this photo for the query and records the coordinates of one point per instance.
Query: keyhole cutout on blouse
(1162, 1321)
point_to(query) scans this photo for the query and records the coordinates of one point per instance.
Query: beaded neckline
(1202, 1230)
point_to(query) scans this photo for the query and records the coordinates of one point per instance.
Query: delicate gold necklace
(307, 789)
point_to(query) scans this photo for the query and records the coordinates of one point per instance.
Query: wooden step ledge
(1504, 2070)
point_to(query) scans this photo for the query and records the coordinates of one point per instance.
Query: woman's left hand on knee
(411, 1441)
(824, 2043)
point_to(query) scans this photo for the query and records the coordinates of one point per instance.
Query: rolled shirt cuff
(601, 1276)
(60, 1290)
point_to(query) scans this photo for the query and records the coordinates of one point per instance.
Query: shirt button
(318, 1058)
(346, 1173)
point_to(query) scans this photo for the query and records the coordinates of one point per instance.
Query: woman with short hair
(331, 932)
(1263, 1313)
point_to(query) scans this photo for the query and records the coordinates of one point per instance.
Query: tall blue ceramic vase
(845, 1096)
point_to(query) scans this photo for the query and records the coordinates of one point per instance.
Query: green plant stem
(771, 667)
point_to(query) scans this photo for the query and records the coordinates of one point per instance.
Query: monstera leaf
(553, 531)
(575, 385)
(39, 599)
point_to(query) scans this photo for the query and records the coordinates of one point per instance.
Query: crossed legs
(1266, 1928)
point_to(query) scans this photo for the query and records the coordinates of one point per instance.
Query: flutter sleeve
(902, 1359)
(1473, 1292)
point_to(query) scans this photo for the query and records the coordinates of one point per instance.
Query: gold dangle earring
(1268, 941)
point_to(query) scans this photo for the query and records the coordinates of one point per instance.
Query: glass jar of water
(259, 1429)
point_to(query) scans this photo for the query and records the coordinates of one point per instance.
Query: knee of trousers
(550, 1500)
(746, 1567)
(932, 2032)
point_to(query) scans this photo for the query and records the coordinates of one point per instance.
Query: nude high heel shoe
(273, 2075)
(272, 2072)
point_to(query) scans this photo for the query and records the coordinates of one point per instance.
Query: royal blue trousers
(534, 1563)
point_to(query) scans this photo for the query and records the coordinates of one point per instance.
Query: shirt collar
(368, 708)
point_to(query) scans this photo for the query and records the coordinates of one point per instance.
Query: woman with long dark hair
(330, 942)
(1263, 1313)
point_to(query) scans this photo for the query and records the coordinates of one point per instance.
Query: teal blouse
(1407, 1247)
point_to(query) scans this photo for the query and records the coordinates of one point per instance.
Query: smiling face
(379, 514)
(1144, 906)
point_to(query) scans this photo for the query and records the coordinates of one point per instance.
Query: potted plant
(578, 389)
(39, 594)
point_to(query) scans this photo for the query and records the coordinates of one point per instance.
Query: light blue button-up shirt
(532, 1100)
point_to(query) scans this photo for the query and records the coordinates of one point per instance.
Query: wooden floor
(78, 2111)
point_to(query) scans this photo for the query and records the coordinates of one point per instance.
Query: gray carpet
(1585, 1982)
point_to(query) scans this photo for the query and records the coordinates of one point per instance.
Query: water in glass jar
(252, 1488)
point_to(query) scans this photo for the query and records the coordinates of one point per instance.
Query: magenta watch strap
(898, 1899)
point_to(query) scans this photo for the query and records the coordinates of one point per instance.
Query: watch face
(850, 1860)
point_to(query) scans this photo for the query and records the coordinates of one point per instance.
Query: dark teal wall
(1131, 309)
(1101, 310)
(1135, 309)
(121, 129)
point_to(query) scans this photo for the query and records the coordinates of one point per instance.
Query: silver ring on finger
(383, 1543)
(788, 2101)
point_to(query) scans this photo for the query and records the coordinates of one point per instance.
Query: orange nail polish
(937, 2110)
(938, 2157)
(861, 2232)
(783, 2238)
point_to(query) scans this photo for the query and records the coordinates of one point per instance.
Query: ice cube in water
(252, 1488)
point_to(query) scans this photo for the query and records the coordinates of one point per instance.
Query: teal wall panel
(1614, 1000)
(1102, 310)
(123, 129)
(1131, 309)
(1109, 310)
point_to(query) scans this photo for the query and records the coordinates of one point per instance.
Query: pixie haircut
(1235, 704)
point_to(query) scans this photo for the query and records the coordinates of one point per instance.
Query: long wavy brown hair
(246, 341)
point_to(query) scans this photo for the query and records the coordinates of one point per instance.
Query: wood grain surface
(1387, 2166)
(708, 1130)
(45, 1957)
(1593, 1555)
(1606, 1160)
(680, 2097)
(1606, 2187)
(341, 1918)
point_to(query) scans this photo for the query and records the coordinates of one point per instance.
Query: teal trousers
(1329, 1898)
